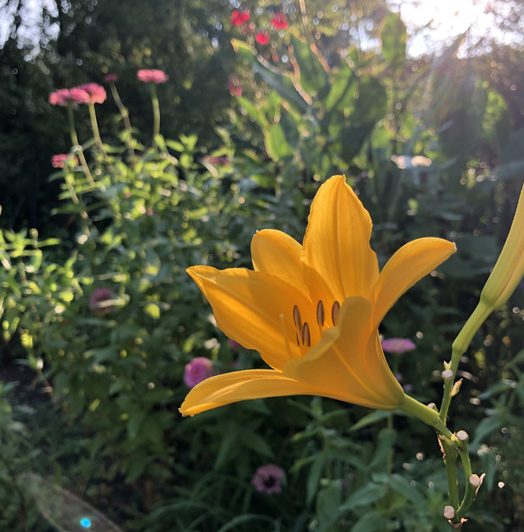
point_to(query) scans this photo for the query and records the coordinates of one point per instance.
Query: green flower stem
(460, 345)
(451, 470)
(77, 146)
(425, 414)
(125, 117)
(156, 112)
(96, 132)
(469, 495)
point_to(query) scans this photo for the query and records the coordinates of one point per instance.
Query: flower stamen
(306, 335)
(320, 314)
(297, 318)
(335, 309)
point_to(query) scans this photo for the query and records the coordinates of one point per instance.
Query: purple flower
(398, 345)
(98, 301)
(268, 479)
(198, 370)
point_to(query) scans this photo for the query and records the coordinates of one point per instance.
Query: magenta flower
(268, 479)
(262, 37)
(398, 345)
(234, 88)
(98, 301)
(239, 17)
(152, 76)
(97, 93)
(108, 78)
(60, 159)
(198, 370)
(279, 21)
(64, 97)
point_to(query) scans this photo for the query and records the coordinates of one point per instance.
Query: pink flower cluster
(398, 345)
(86, 93)
(198, 370)
(97, 93)
(60, 159)
(152, 76)
(268, 479)
(64, 97)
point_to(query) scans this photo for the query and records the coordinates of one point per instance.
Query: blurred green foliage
(431, 145)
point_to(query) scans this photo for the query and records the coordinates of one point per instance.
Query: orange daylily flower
(313, 310)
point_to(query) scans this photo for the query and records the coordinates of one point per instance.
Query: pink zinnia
(198, 370)
(65, 96)
(110, 78)
(97, 93)
(239, 17)
(152, 76)
(398, 345)
(268, 479)
(97, 301)
(60, 159)
(262, 37)
(279, 21)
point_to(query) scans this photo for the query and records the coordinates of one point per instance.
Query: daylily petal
(337, 366)
(278, 254)
(336, 244)
(255, 309)
(241, 386)
(407, 266)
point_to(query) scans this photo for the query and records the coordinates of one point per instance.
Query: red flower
(234, 88)
(152, 76)
(279, 21)
(97, 93)
(239, 17)
(262, 37)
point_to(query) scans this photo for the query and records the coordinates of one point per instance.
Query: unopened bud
(462, 435)
(449, 512)
(447, 374)
(509, 269)
(456, 388)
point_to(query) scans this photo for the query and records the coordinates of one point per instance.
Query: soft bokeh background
(420, 104)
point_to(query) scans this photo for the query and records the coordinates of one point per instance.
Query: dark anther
(335, 309)
(298, 341)
(320, 314)
(306, 336)
(296, 318)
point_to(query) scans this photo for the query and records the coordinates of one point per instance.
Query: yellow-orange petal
(407, 266)
(346, 364)
(241, 386)
(336, 243)
(255, 309)
(278, 254)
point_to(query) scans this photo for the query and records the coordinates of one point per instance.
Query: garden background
(263, 103)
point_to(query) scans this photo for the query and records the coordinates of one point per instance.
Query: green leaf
(341, 92)
(277, 146)
(313, 478)
(282, 83)
(393, 37)
(375, 417)
(312, 75)
(153, 310)
(370, 522)
(401, 485)
(328, 505)
(386, 440)
(256, 443)
(364, 496)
